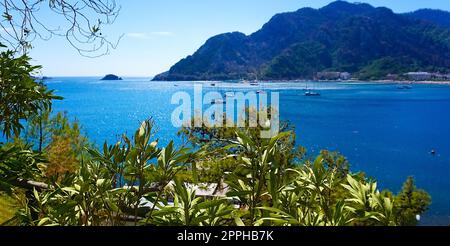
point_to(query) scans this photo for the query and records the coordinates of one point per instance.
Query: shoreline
(408, 82)
(424, 82)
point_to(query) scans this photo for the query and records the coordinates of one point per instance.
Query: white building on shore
(419, 75)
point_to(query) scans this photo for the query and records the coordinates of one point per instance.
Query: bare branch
(82, 23)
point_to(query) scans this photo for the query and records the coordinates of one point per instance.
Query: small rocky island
(111, 77)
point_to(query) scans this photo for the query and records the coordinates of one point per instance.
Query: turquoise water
(384, 131)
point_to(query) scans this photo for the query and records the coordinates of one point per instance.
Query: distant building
(419, 75)
(328, 75)
(345, 76)
(333, 76)
(440, 76)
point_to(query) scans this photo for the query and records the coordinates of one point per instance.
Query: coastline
(424, 82)
(409, 82)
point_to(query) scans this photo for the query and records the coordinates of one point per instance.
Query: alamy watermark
(232, 109)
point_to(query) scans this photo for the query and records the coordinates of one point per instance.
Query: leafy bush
(21, 94)
(111, 187)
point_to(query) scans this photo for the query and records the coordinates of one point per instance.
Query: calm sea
(384, 131)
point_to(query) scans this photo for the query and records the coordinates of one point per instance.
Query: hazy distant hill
(358, 38)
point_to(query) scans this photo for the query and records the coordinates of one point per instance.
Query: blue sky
(158, 33)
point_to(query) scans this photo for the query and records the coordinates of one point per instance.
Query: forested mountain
(366, 41)
(435, 16)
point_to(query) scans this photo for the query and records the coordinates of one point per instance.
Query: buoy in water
(433, 152)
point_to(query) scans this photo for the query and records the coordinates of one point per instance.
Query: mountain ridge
(435, 16)
(357, 38)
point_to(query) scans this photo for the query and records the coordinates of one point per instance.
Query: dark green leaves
(21, 95)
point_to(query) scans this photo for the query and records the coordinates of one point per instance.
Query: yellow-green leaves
(367, 203)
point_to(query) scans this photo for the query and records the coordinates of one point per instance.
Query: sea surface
(384, 131)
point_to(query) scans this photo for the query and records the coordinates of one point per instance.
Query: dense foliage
(20, 94)
(7, 208)
(355, 38)
(439, 17)
(137, 182)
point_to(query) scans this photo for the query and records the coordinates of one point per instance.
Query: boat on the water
(311, 93)
(229, 94)
(255, 82)
(218, 101)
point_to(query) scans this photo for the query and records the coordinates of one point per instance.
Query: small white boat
(229, 94)
(255, 82)
(218, 101)
(312, 94)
